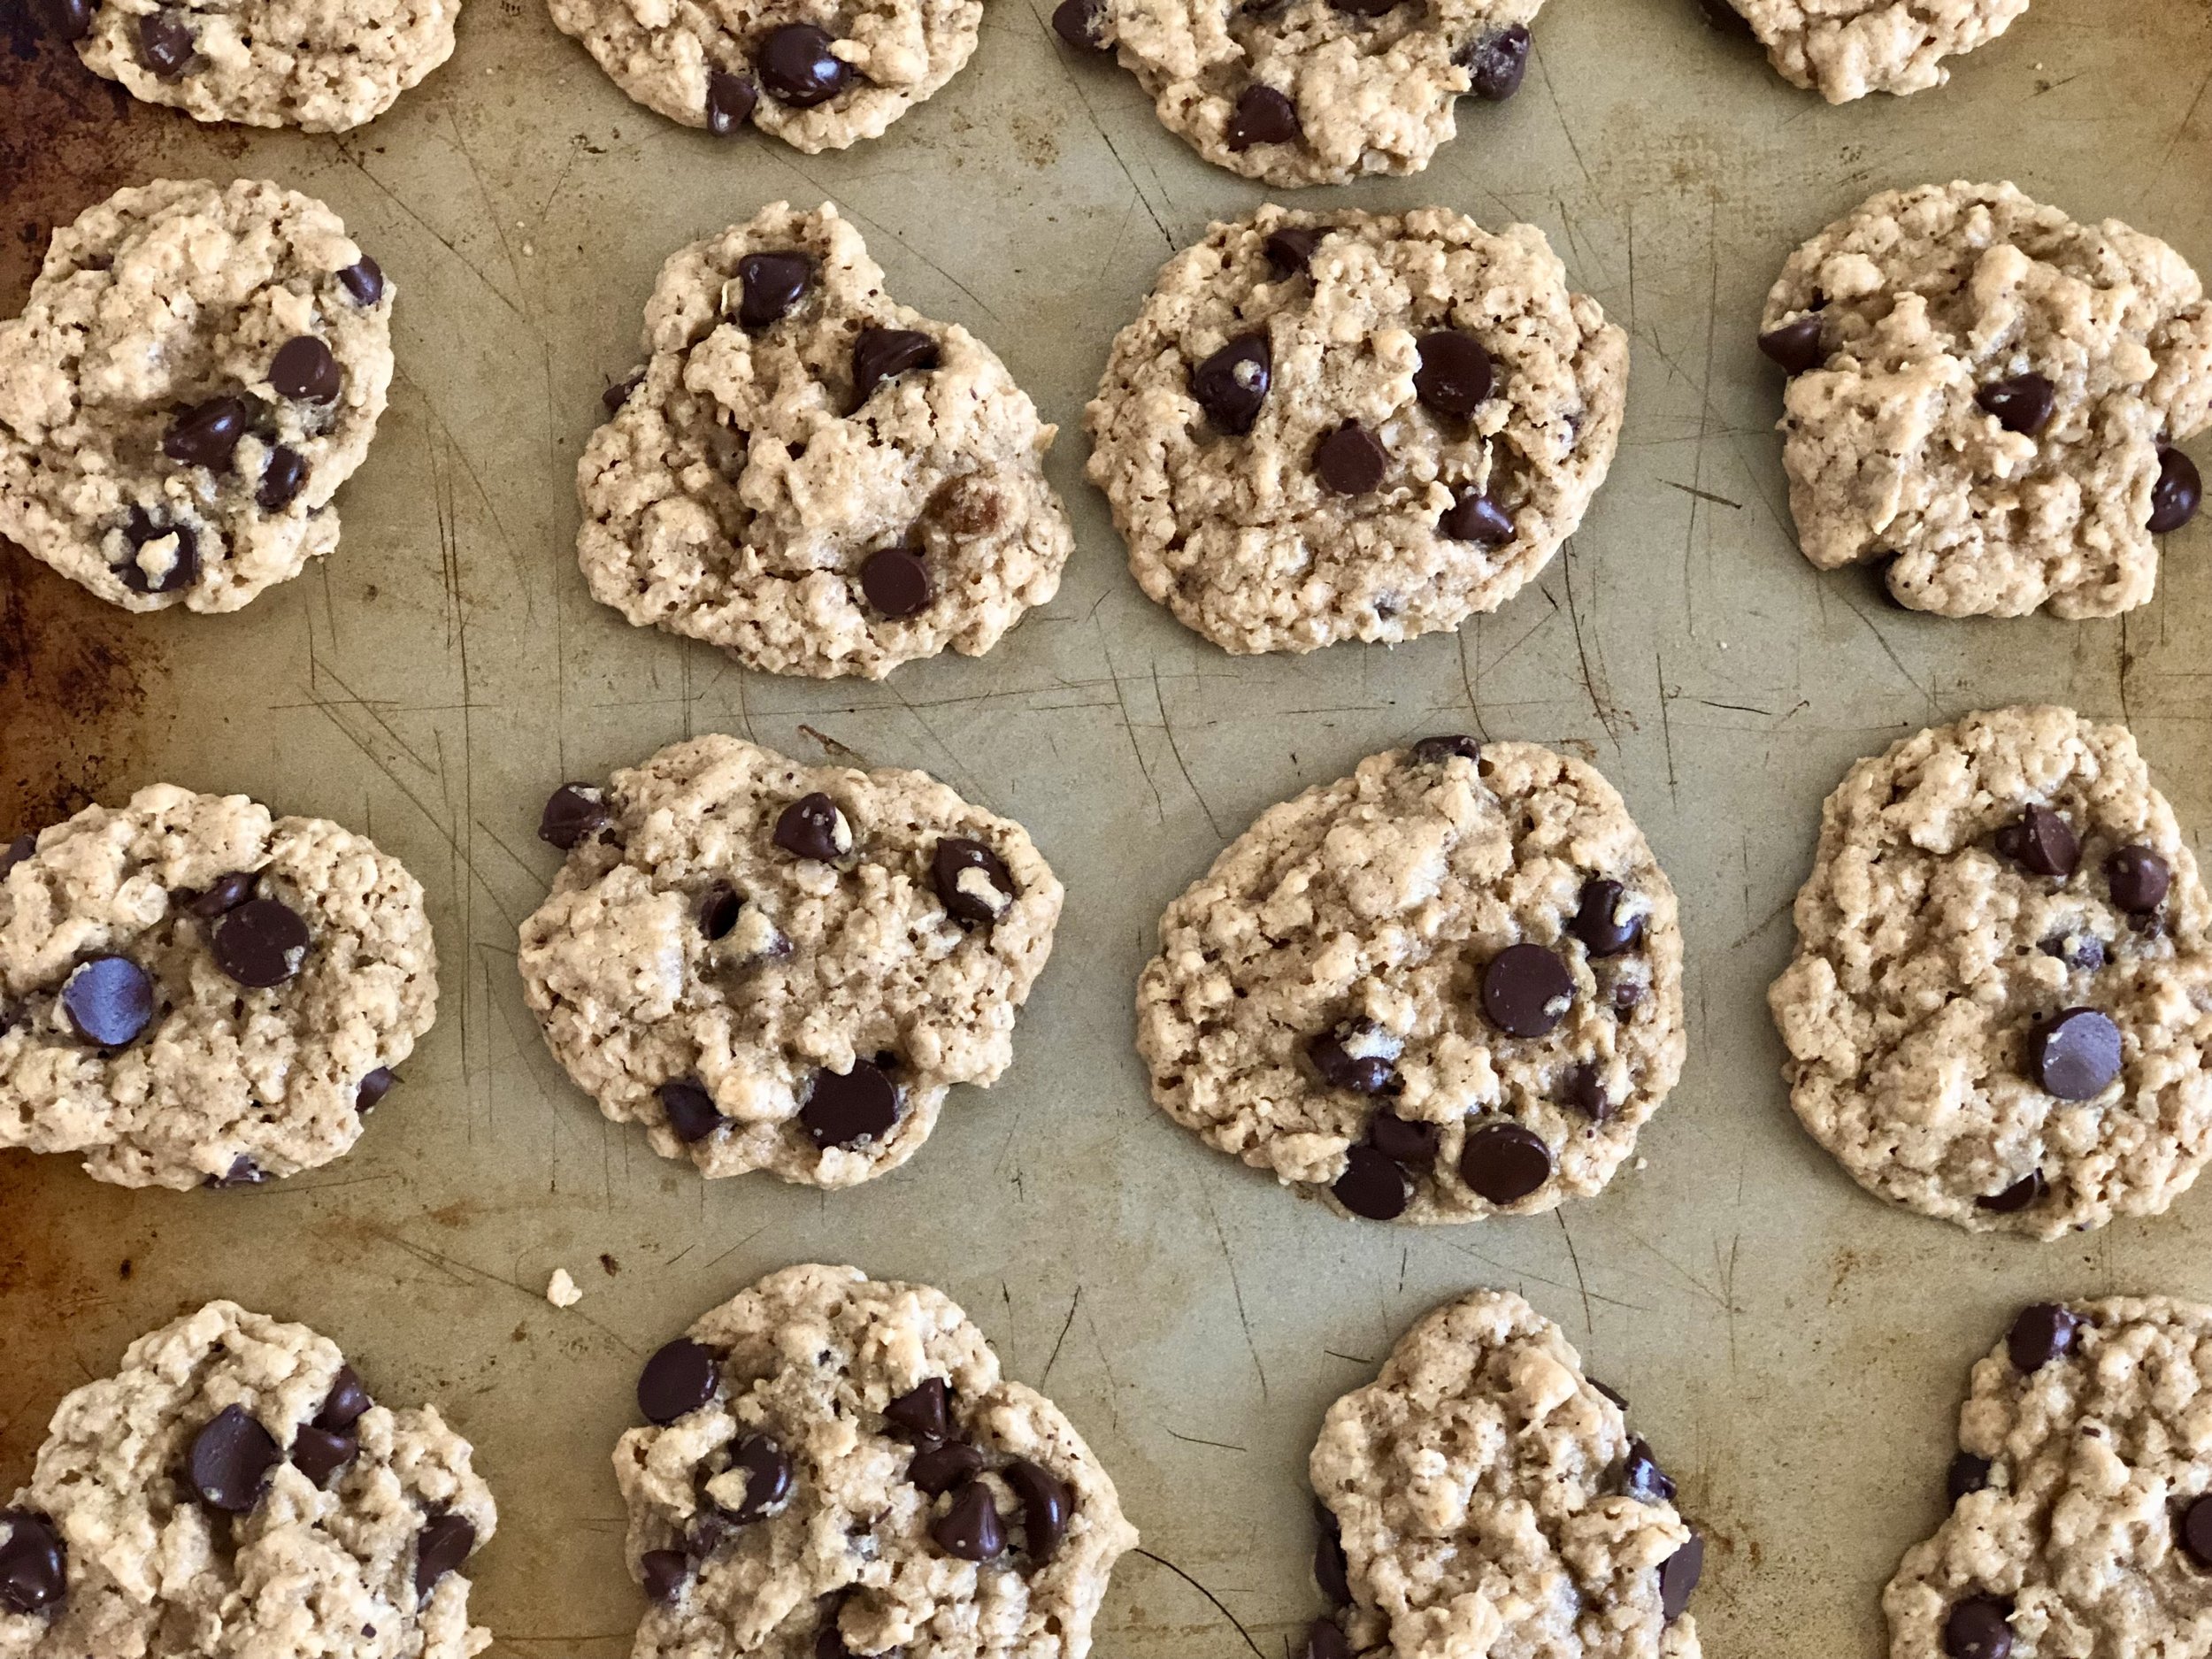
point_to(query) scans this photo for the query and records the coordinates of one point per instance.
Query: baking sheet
(1794, 1348)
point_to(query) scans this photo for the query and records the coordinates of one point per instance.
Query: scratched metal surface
(1794, 1348)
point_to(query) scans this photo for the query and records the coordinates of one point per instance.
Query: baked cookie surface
(193, 993)
(834, 1466)
(1846, 48)
(2001, 997)
(783, 967)
(1483, 1496)
(809, 474)
(196, 370)
(1986, 397)
(1443, 987)
(1345, 425)
(233, 1491)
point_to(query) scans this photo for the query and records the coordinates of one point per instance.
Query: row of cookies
(1322, 426)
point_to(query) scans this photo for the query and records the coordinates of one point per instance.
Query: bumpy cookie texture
(1489, 1498)
(1346, 425)
(785, 967)
(1846, 48)
(837, 1468)
(1987, 396)
(816, 75)
(234, 1492)
(2081, 1518)
(2002, 998)
(1301, 92)
(196, 371)
(1442, 987)
(809, 474)
(194, 993)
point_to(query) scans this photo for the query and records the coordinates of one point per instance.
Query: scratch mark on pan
(1200, 1440)
(1588, 1323)
(1702, 494)
(1168, 727)
(1074, 1302)
(1236, 1288)
(1220, 1606)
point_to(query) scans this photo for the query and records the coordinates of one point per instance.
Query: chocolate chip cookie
(818, 76)
(1348, 425)
(1846, 48)
(810, 475)
(197, 369)
(2002, 998)
(834, 1466)
(1483, 1496)
(1298, 92)
(2081, 1496)
(783, 967)
(1446, 987)
(195, 994)
(234, 1489)
(1986, 398)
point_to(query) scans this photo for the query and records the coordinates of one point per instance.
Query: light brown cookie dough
(1439, 988)
(1846, 48)
(783, 967)
(1487, 1498)
(837, 1468)
(2001, 997)
(1986, 397)
(1347, 426)
(233, 1492)
(809, 474)
(1298, 92)
(2080, 1521)
(818, 76)
(197, 369)
(194, 993)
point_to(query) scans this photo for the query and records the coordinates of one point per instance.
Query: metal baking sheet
(1794, 1348)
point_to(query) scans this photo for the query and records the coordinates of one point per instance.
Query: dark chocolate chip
(374, 1085)
(884, 354)
(618, 393)
(1584, 1091)
(970, 1528)
(1604, 921)
(2075, 1054)
(1496, 62)
(731, 100)
(442, 1545)
(1231, 384)
(2178, 494)
(1628, 996)
(924, 1410)
(2020, 1195)
(718, 911)
(1642, 1476)
(1978, 1627)
(1796, 346)
(319, 1454)
(346, 1402)
(845, 1109)
(573, 814)
(363, 280)
(184, 567)
(1351, 460)
(1526, 990)
(33, 1569)
(1723, 19)
(109, 1000)
(1330, 1571)
(230, 1460)
(1082, 24)
(1456, 373)
(1290, 250)
(2039, 840)
(939, 1466)
(2022, 405)
(1679, 1576)
(260, 944)
(1504, 1163)
(2137, 879)
(663, 1573)
(680, 1378)
(2194, 1529)
(224, 895)
(1474, 516)
(958, 859)
(164, 45)
(1340, 1068)
(1261, 116)
(896, 581)
(1372, 1184)
(812, 827)
(205, 435)
(2084, 951)
(282, 477)
(2043, 1333)
(797, 66)
(16, 851)
(65, 20)
(1046, 1502)
(1364, 8)
(244, 1172)
(689, 1110)
(1409, 1140)
(766, 1467)
(1325, 1639)
(304, 371)
(1967, 1474)
(1435, 751)
(769, 284)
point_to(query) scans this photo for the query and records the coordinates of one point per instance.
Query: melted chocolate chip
(2137, 879)
(16, 851)
(1526, 990)
(1412, 1142)
(2040, 840)
(206, 434)
(1642, 1478)
(618, 393)
(2075, 1054)
(363, 280)
(1325, 1639)
(677, 1379)
(1082, 24)
(1340, 1068)
(109, 1000)
(812, 827)
(938, 1467)
(244, 1172)
(924, 1410)
(33, 1563)
(282, 477)
(345, 1403)
(1679, 1576)
(970, 1528)
(230, 1460)
(1372, 1184)
(319, 1454)
(2082, 951)
(2178, 494)
(2044, 1332)
(1504, 1163)
(1967, 1474)
(1231, 384)
(1261, 116)
(731, 100)
(2193, 1528)
(973, 882)
(1046, 1502)
(184, 565)
(769, 284)
(1456, 373)
(1290, 249)
(1604, 921)
(1330, 1571)
(896, 582)
(2022, 405)
(304, 371)
(164, 45)
(663, 1573)
(1796, 346)
(1435, 751)
(766, 1467)
(844, 1110)
(797, 66)
(2022, 1195)
(442, 1545)
(884, 354)
(66, 20)
(719, 910)
(260, 944)
(573, 814)
(224, 895)
(1351, 460)
(1584, 1091)
(1978, 1627)
(1474, 516)
(689, 1110)
(374, 1085)
(1496, 62)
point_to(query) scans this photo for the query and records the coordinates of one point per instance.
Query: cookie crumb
(561, 1291)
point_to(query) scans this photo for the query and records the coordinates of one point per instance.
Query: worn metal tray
(1794, 1348)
